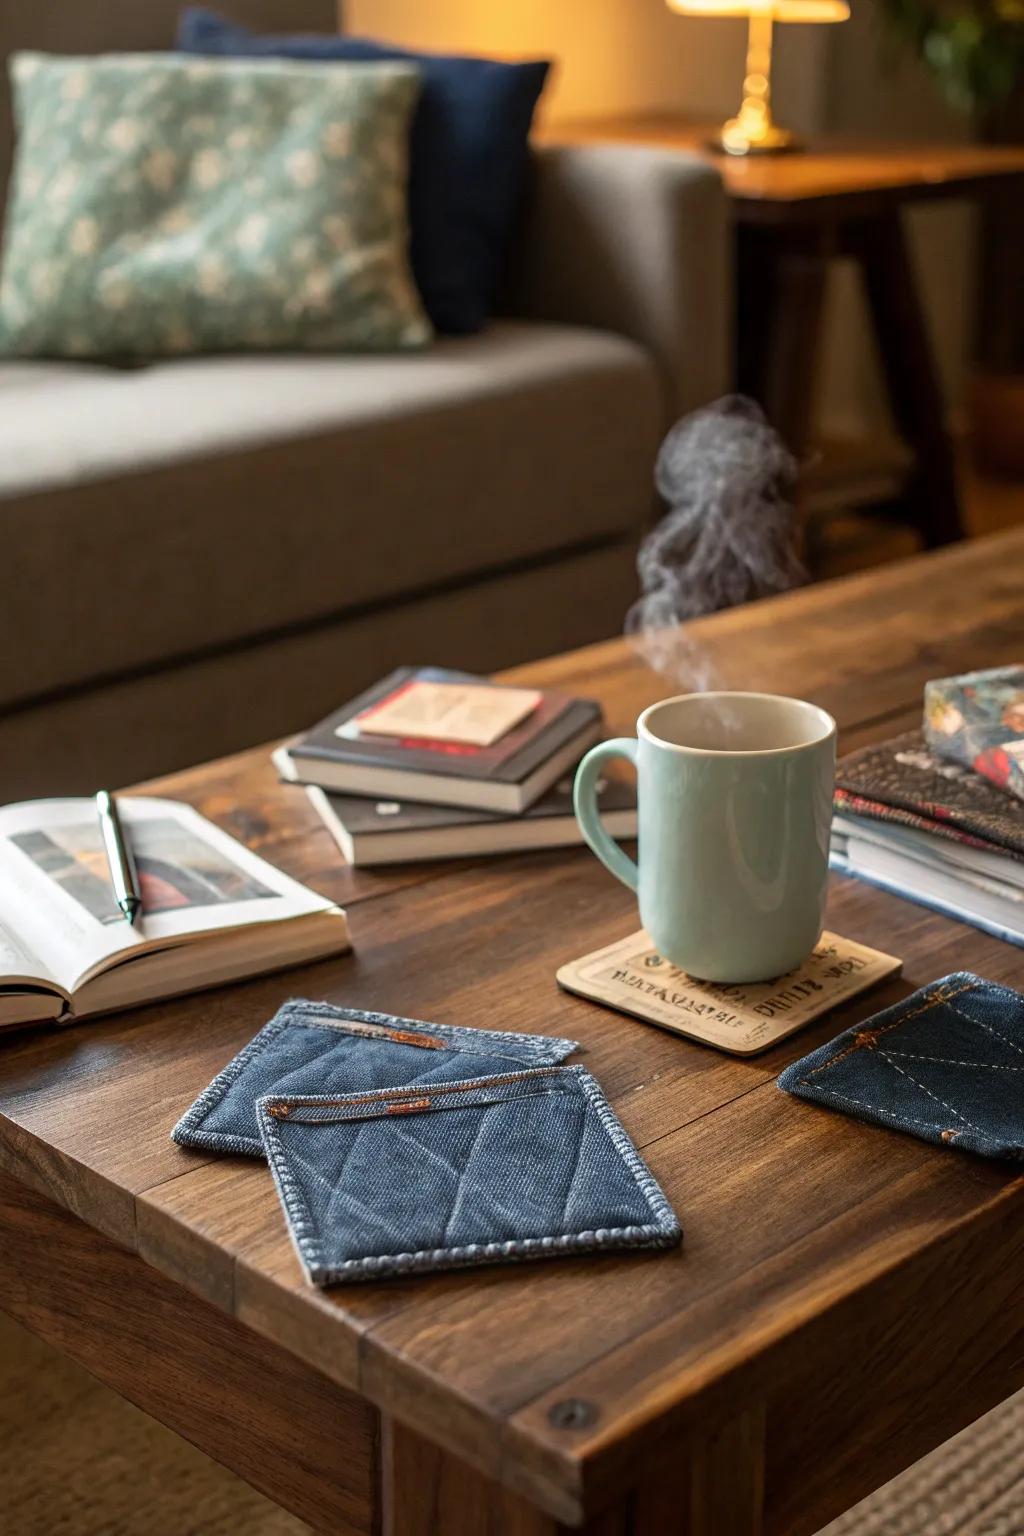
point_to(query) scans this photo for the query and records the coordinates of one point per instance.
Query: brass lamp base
(733, 141)
(753, 131)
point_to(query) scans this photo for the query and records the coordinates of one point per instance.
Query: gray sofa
(205, 553)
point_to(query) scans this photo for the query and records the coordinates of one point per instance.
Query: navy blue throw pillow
(467, 161)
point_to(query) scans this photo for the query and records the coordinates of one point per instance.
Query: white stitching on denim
(982, 1025)
(963, 982)
(876, 1109)
(950, 1061)
(936, 993)
(912, 1079)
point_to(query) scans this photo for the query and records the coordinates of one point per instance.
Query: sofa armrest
(635, 240)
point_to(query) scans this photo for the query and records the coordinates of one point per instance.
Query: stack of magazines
(434, 764)
(936, 815)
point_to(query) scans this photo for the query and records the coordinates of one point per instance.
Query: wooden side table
(795, 213)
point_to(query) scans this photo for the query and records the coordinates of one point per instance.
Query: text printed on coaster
(633, 978)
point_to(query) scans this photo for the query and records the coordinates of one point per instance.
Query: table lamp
(752, 131)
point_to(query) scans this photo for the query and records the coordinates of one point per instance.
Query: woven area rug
(77, 1460)
(971, 1486)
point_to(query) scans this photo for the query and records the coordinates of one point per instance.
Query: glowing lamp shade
(752, 131)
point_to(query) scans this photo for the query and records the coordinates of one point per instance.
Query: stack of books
(930, 828)
(434, 764)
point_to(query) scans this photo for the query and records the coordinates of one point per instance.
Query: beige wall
(636, 55)
(613, 55)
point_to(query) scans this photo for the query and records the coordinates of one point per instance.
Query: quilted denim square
(526, 1165)
(314, 1048)
(945, 1064)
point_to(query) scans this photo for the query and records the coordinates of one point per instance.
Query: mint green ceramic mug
(735, 804)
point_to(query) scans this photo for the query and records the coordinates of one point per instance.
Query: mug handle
(584, 800)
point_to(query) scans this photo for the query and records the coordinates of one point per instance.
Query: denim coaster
(945, 1064)
(314, 1048)
(526, 1165)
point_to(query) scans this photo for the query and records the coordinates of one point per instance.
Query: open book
(212, 911)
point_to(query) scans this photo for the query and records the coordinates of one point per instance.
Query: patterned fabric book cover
(978, 719)
(905, 781)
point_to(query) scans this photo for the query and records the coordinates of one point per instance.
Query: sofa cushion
(468, 155)
(164, 205)
(94, 26)
(155, 514)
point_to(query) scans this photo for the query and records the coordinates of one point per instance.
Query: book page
(56, 892)
(19, 965)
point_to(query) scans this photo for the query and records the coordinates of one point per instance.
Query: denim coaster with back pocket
(945, 1064)
(525, 1165)
(314, 1048)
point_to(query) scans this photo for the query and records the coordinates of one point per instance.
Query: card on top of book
(477, 714)
(372, 831)
(212, 911)
(342, 755)
(632, 977)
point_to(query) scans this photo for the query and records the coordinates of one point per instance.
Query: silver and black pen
(123, 873)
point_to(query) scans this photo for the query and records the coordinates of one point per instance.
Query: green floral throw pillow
(168, 205)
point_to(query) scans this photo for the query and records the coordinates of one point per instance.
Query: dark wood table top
(827, 1265)
(840, 173)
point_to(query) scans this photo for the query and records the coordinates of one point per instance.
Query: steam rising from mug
(729, 534)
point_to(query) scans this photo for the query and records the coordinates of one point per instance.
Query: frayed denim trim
(663, 1231)
(298, 1012)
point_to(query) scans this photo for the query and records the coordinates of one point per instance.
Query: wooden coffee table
(845, 1297)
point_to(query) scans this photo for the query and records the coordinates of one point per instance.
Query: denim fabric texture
(525, 1165)
(946, 1064)
(314, 1048)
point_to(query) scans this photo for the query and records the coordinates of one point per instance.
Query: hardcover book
(347, 754)
(212, 911)
(372, 831)
(905, 781)
(916, 824)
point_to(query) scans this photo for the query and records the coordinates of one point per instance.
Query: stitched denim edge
(901, 1121)
(789, 1080)
(663, 1232)
(189, 1132)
